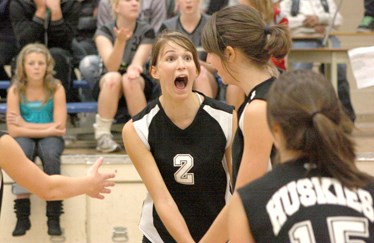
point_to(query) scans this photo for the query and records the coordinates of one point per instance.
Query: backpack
(296, 4)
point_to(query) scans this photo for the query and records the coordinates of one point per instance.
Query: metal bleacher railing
(72, 107)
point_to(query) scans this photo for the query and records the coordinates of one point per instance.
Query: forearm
(16, 131)
(218, 231)
(174, 222)
(60, 187)
(114, 60)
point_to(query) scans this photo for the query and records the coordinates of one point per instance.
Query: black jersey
(191, 162)
(1, 179)
(290, 205)
(258, 92)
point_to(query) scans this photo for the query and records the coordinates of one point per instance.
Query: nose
(181, 63)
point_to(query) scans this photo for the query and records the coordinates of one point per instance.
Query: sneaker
(106, 144)
(366, 25)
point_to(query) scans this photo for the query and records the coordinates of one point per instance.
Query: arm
(239, 228)
(28, 27)
(59, 107)
(257, 144)
(18, 127)
(64, 20)
(112, 54)
(164, 203)
(141, 56)
(54, 187)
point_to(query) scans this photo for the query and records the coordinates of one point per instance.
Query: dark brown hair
(305, 105)
(178, 39)
(243, 27)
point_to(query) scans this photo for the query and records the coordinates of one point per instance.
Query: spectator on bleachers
(312, 18)
(190, 21)
(367, 22)
(152, 12)
(83, 43)
(8, 46)
(36, 118)
(53, 23)
(124, 46)
(84, 46)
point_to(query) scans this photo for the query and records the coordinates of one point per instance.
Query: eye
(170, 58)
(188, 57)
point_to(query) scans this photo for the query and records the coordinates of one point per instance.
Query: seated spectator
(83, 44)
(191, 22)
(36, 118)
(152, 11)
(52, 23)
(8, 45)
(311, 18)
(124, 46)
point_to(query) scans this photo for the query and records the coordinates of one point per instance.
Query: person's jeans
(49, 151)
(343, 84)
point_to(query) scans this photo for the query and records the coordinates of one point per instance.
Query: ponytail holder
(267, 30)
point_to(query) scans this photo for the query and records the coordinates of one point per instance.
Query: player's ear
(154, 72)
(230, 53)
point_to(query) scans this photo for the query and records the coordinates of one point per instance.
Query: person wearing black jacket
(8, 46)
(53, 23)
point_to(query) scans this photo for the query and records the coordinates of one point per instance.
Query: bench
(72, 107)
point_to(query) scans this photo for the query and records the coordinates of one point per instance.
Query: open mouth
(181, 82)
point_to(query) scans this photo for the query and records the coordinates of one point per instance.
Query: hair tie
(315, 113)
(267, 30)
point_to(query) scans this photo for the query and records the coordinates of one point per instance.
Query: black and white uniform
(258, 92)
(192, 163)
(290, 205)
(1, 179)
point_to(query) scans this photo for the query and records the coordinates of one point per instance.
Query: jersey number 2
(185, 162)
(340, 230)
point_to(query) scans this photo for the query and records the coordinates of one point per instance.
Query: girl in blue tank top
(36, 118)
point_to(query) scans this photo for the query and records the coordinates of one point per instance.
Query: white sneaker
(106, 144)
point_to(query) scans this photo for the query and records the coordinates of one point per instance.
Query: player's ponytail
(305, 106)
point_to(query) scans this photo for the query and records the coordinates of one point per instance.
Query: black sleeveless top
(257, 93)
(1, 178)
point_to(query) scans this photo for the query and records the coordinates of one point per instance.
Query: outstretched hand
(100, 182)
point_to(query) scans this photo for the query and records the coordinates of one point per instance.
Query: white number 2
(340, 230)
(185, 162)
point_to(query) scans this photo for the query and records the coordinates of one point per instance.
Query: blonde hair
(20, 78)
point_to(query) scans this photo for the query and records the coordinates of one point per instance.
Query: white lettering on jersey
(308, 192)
(185, 162)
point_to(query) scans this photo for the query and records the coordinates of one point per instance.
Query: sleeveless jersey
(258, 92)
(1, 179)
(290, 205)
(191, 162)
